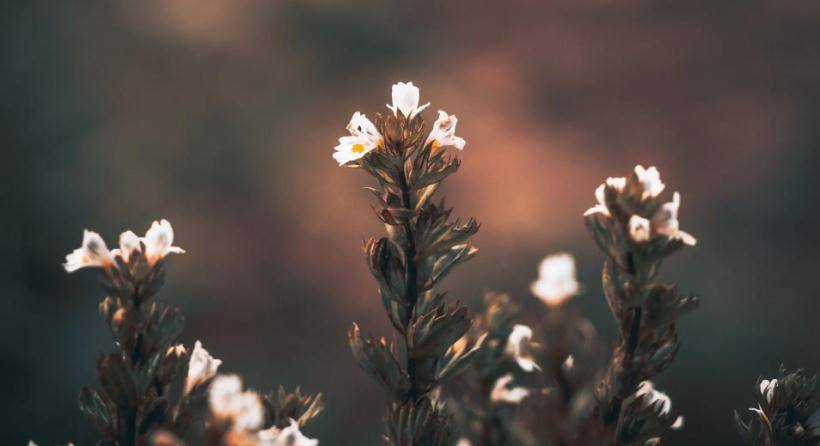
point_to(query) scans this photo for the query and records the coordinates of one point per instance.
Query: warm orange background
(221, 116)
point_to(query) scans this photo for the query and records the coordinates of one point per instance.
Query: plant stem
(411, 279)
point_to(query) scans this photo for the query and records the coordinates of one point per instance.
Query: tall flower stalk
(637, 230)
(143, 379)
(421, 247)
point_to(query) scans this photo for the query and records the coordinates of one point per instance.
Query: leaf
(376, 358)
(431, 334)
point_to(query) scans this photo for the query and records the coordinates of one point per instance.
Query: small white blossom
(201, 367)
(640, 229)
(518, 345)
(289, 436)
(501, 393)
(444, 132)
(228, 402)
(92, 253)
(654, 396)
(650, 180)
(464, 441)
(617, 183)
(665, 221)
(556, 279)
(767, 388)
(568, 365)
(363, 138)
(159, 241)
(406, 100)
(176, 350)
(129, 242)
(678, 424)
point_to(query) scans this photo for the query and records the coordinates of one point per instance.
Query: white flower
(289, 436)
(665, 221)
(444, 132)
(201, 367)
(228, 402)
(129, 242)
(654, 396)
(503, 394)
(464, 441)
(767, 388)
(92, 253)
(568, 365)
(518, 345)
(363, 138)
(650, 179)
(640, 229)
(617, 183)
(406, 100)
(556, 279)
(176, 350)
(159, 241)
(678, 424)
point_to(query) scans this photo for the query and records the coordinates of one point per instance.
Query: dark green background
(221, 116)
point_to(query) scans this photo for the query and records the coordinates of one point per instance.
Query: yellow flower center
(358, 148)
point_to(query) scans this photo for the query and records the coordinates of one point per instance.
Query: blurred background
(221, 116)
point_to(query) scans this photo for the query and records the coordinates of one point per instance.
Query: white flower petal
(640, 229)
(501, 393)
(92, 253)
(650, 179)
(444, 132)
(406, 100)
(201, 367)
(518, 345)
(159, 240)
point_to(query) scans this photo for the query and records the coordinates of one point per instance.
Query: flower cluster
(636, 199)
(365, 137)
(785, 412)
(422, 246)
(157, 243)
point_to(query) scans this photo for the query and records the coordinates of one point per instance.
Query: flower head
(654, 397)
(159, 241)
(665, 221)
(556, 279)
(406, 100)
(92, 253)
(289, 436)
(444, 132)
(502, 393)
(201, 367)
(767, 388)
(228, 402)
(518, 346)
(617, 183)
(650, 180)
(639, 229)
(363, 138)
(129, 242)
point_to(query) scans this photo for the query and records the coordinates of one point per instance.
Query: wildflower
(501, 393)
(650, 180)
(159, 240)
(518, 345)
(639, 229)
(464, 441)
(556, 279)
(201, 367)
(92, 253)
(129, 242)
(654, 397)
(678, 423)
(363, 138)
(228, 402)
(444, 132)
(289, 436)
(406, 100)
(767, 389)
(176, 350)
(568, 365)
(665, 221)
(617, 183)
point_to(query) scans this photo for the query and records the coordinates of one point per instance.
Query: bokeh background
(221, 116)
